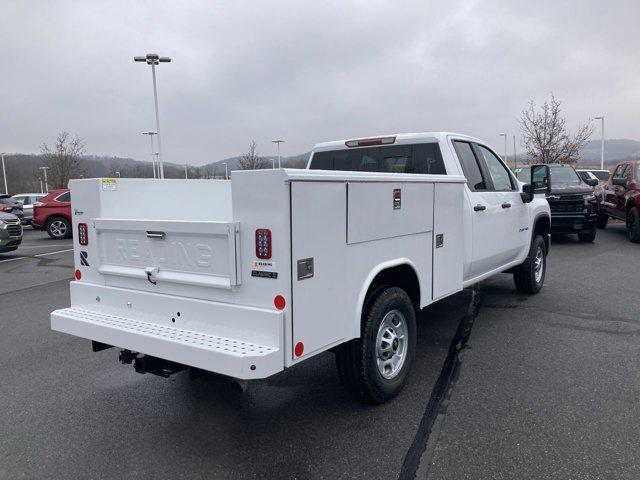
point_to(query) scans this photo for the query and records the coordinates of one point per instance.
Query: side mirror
(527, 193)
(620, 181)
(540, 179)
(592, 182)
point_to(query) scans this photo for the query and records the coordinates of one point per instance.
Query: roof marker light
(368, 142)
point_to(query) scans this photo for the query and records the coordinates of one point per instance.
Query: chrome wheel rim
(58, 228)
(538, 265)
(391, 344)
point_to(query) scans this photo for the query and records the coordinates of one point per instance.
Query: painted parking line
(41, 246)
(36, 256)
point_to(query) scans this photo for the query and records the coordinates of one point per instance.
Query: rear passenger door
(484, 249)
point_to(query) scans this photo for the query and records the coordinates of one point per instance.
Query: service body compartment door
(318, 245)
(448, 239)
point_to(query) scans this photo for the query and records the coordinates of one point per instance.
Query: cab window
(423, 158)
(470, 167)
(65, 197)
(497, 171)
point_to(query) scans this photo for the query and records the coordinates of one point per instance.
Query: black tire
(357, 360)
(524, 275)
(633, 225)
(588, 237)
(58, 228)
(602, 220)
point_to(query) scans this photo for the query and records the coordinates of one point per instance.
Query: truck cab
(619, 198)
(492, 200)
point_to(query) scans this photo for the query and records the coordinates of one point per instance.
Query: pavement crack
(418, 457)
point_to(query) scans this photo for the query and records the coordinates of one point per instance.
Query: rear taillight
(263, 243)
(83, 234)
(5, 209)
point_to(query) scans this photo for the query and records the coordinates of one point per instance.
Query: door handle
(479, 208)
(506, 205)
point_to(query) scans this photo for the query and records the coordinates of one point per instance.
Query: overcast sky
(307, 71)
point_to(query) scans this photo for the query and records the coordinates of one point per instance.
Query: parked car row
(50, 212)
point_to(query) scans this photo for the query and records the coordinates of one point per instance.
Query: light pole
(226, 171)
(505, 146)
(515, 155)
(46, 185)
(4, 173)
(185, 171)
(154, 59)
(153, 160)
(278, 142)
(601, 118)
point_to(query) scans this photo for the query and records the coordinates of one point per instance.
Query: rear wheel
(602, 220)
(633, 225)
(375, 367)
(529, 276)
(588, 237)
(58, 228)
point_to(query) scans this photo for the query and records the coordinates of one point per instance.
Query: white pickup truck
(276, 266)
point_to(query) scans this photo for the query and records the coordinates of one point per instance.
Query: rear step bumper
(197, 346)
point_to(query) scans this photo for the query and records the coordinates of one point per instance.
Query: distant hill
(23, 174)
(233, 163)
(614, 150)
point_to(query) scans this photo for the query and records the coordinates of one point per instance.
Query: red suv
(622, 198)
(53, 214)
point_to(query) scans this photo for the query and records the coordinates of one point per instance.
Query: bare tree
(545, 137)
(64, 160)
(252, 160)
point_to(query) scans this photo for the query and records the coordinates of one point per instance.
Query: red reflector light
(83, 234)
(263, 243)
(279, 302)
(78, 274)
(299, 349)
(367, 142)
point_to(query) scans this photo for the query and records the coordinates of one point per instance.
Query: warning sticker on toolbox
(109, 184)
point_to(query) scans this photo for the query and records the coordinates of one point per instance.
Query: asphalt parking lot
(546, 388)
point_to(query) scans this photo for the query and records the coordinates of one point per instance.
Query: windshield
(561, 175)
(523, 174)
(564, 176)
(601, 175)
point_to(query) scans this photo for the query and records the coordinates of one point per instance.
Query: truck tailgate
(203, 253)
